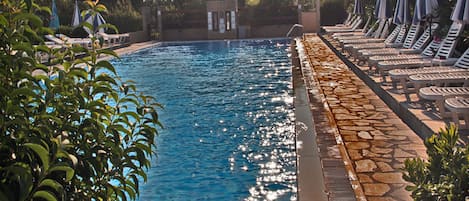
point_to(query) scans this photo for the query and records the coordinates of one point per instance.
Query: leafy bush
(445, 176)
(126, 22)
(72, 130)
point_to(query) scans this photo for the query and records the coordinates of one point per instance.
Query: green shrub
(72, 130)
(67, 30)
(125, 22)
(445, 176)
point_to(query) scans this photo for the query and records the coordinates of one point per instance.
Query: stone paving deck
(372, 140)
(422, 116)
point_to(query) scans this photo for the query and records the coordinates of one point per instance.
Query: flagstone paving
(376, 141)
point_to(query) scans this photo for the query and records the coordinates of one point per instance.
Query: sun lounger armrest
(444, 62)
(409, 51)
(455, 96)
(394, 45)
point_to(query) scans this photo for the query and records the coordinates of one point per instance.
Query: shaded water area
(228, 117)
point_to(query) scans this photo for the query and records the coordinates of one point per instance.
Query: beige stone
(344, 123)
(357, 145)
(389, 177)
(380, 150)
(345, 117)
(347, 132)
(377, 116)
(340, 111)
(373, 189)
(361, 123)
(383, 125)
(369, 154)
(365, 135)
(381, 137)
(399, 153)
(381, 143)
(376, 132)
(381, 199)
(363, 178)
(384, 167)
(350, 138)
(366, 165)
(369, 107)
(386, 160)
(357, 128)
(355, 154)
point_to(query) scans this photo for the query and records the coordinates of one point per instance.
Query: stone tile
(364, 178)
(345, 123)
(384, 167)
(357, 145)
(365, 135)
(369, 154)
(355, 154)
(350, 138)
(381, 199)
(360, 123)
(348, 132)
(399, 153)
(366, 165)
(389, 177)
(346, 117)
(340, 111)
(357, 128)
(380, 150)
(376, 189)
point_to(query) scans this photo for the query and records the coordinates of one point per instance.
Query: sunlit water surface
(228, 117)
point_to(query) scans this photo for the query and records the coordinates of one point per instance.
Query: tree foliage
(445, 176)
(72, 130)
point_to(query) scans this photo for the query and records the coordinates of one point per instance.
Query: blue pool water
(228, 117)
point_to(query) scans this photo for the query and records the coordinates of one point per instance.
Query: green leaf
(68, 170)
(29, 4)
(46, 195)
(3, 20)
(52, 184)
(23, 91)
(3, 196)
(107, 65)
(33, 19)
(107, 52)
(42, 152)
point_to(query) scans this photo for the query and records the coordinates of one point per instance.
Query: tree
(72, 130)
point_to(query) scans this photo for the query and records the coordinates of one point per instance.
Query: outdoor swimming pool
(228, 117)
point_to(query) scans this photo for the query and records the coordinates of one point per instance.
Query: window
(215, 22)
(228, 20)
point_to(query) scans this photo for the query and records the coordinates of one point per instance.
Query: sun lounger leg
(440, 104)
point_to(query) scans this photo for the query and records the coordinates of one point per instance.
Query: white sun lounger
(439, 94)
(373, 32)
(401, 75)
(85, 42)
(445, 51)
(391, 49)
(458, 106)
(355, 33)
(351, 42)
(355, 25)
(412, 41)
(396, 37)
(439, 79)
